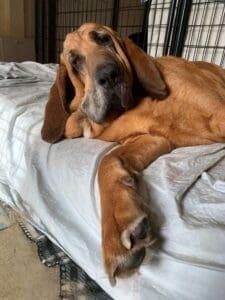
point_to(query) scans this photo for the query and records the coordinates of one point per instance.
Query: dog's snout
(107, 75)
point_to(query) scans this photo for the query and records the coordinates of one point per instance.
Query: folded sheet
(55, 187)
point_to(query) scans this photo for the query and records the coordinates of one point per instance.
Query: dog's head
(100, 74)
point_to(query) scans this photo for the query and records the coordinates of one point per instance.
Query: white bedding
(55, 187)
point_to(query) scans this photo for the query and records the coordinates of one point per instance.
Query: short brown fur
(192, 112)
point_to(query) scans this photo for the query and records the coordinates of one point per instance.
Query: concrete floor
(22, 275)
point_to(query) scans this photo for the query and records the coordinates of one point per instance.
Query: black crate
(194, 29)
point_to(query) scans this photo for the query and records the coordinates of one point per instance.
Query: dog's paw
(137, 234)
(79, 125)
(124, 251)
(73, 126)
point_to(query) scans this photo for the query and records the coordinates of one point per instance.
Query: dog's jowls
(108, 88)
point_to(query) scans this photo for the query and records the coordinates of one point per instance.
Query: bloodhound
(108, 88)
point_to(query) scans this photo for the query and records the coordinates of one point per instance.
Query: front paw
(79, 125)
(124, 247)
(73, 126)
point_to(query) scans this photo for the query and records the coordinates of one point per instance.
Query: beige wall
(29, 18)
(17, 18)
(17, 30)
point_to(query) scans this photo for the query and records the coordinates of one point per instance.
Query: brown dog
(108, 88)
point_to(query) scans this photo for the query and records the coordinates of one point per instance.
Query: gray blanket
(54, 186)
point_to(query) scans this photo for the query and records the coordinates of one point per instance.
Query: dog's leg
(125, 225)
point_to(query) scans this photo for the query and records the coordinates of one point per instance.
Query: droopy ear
(147, 77)
(56, 114)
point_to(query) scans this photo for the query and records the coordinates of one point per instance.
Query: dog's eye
(105, 40)
(101, 39)
(76, 61)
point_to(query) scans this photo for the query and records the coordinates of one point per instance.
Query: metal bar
(145, 25)
(169, 27)
(115, 14)
(39, 31)
(36, 33)
(222, 58)
(220, 26)
(176, 26)
(146, 14)
(51, 30)
(160, 23)
(201, 30)
(191, 31)
(180, 27)
(153, 10)
(43, 33)
(209, 33)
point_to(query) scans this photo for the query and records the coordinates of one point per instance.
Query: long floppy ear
(147, 78)
(65, 97)
(56, 114)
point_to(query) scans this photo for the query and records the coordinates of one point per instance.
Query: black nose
(107, 75)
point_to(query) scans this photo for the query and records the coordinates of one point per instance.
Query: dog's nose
(107, 75)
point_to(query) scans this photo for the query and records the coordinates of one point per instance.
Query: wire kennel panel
(192, 29)
(205, 38)
(159, 20)
(130, 17)
(125, 16)
(55, 18)
(71, 14)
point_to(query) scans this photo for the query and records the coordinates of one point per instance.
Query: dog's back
(193, 113)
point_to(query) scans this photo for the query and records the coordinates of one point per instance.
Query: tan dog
(110, 89)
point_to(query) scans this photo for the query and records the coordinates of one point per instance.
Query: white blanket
(55, 187)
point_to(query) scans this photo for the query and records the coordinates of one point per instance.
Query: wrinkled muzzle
(111, 89)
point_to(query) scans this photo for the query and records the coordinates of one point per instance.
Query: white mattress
(54, 186)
